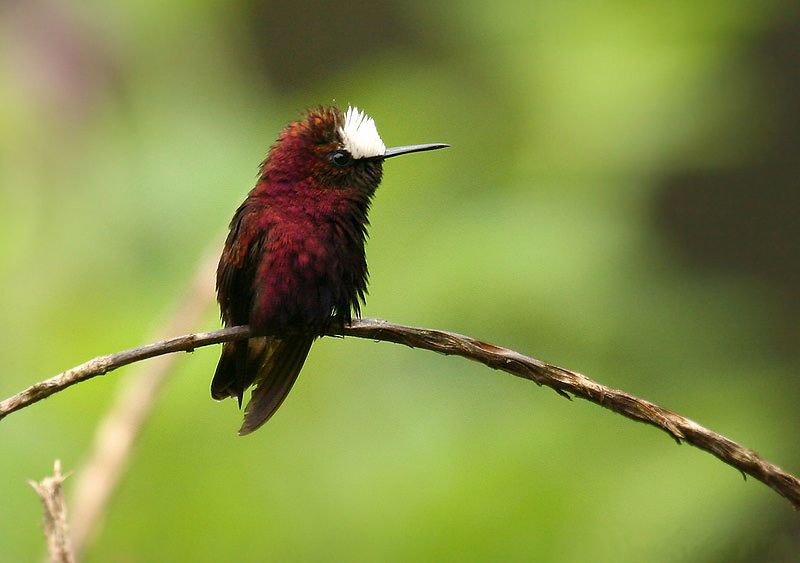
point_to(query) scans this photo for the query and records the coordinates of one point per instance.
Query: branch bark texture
(563, 381)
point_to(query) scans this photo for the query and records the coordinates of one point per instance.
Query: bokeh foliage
(603, 207)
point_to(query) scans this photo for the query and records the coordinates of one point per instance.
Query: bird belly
(302, 283)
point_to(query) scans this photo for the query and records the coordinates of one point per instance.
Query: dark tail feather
(274, 371)
(238, 366)
(229, 378)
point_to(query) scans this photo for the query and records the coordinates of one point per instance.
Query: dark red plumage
(294, 259)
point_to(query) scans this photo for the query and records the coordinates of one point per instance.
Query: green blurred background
(621, 199)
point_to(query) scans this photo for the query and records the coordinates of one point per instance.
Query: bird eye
(341, 158)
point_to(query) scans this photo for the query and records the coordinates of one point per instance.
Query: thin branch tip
(56, 530)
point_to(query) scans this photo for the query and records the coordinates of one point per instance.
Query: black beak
(397, 151)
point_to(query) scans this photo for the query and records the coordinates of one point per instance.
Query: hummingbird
(294, 261)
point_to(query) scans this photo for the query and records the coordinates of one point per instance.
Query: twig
(116, 434)
(55, 515)
(561, 380)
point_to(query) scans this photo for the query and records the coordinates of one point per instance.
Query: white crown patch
(360, 136)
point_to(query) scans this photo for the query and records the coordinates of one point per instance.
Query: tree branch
(563, 381)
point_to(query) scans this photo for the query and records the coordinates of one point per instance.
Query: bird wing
(270, 363)
(235, 276)
(237, 265)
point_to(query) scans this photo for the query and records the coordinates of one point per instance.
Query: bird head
(329, 148)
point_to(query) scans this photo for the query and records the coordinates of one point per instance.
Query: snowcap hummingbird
(294, 260)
